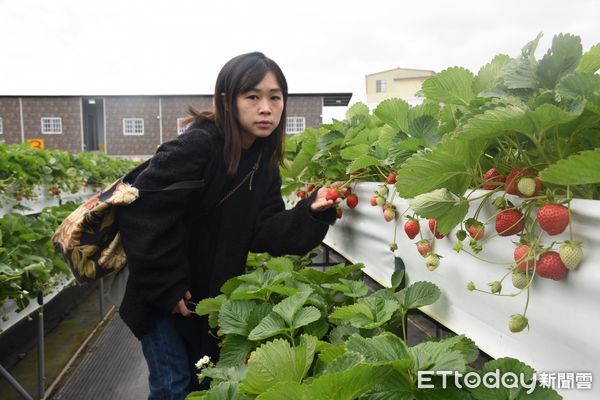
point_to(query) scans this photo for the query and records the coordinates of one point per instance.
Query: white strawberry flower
(202, 362)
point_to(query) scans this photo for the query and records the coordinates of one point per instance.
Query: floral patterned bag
(88, 239)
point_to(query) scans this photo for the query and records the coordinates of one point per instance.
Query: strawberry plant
(290, 332)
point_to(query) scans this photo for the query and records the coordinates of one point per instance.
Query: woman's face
(260, 109)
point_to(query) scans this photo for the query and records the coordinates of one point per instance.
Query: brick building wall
(11, 120)
(118, 108)
(309, 107)
(68, 109)
(174, 107)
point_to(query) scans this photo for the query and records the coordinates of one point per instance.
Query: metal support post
(12, 382)
(41, 351)
(101, 294)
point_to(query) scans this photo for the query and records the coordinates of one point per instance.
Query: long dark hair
(239, 75)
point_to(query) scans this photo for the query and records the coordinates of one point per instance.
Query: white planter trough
(563, 316)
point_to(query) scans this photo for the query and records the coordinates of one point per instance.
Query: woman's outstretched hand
(321, 203)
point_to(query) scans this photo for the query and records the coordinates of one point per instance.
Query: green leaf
(305, 316)
(579, 169)
(425, 127)
(224, 391)
(344, 362)
(383, 348)
(451, 86)
(520, 72)
(506, 365)
(362, 162)
(358, 111)
(349, 287)
(420, 294)
(277, 361)
(288, 307)
(234, 316)
(441, 204)
(585, 85)
(393, 112)
(437, 356)
(547, 116)
(490, 74)
(590, 62)
(354, 152)
(300, 162)
(210, 305)
(280, 264)
(348, 384)
(561, 59)
(271, 325)
(368, 313)
(234, 350)
(397, 278)
(498, 122)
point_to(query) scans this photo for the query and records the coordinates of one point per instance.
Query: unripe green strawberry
(526, 186)
(461, 235)
(458, 246)
(571, 254)
(519, 279)
(517, 323)
(553, 218)
(383, 190)
(432, 261)
(380, 200)
(471, 286)
(495, 287)
(551, 266)
(393, 246)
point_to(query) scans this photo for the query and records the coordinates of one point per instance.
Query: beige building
(401, 83)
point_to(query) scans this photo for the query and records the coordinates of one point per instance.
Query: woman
(184, 245)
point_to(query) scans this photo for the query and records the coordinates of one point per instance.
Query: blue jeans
(168, 363)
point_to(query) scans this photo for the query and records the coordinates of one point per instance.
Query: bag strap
(250, 175)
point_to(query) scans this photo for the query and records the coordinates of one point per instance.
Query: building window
(133, 126)
(380, 85)
(51, 126)
(295, 124)
(1, 128)
(181, 125)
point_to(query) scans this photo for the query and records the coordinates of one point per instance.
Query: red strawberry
(523, 259)
(338, 212)
(510, 185)
(391, 178)
(551, 266)
(18, 197)
(424, 247)
(345, 191)
(476, 230)
(332, 194)
(509, 222)
(553, 218)
(54, 191)
(310, 187)
(492, 175)
(433, 228)
(301, 194)
(352, 200)
(412, 228)
(374, 200)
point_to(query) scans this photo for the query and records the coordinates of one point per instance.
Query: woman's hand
(321, 203)
(181, 307)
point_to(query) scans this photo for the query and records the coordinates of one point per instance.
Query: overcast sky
(102, 47)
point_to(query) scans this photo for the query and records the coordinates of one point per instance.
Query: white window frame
(180, 126)
(380, 86)
(51, 125)
(133, 126)
(1, 127)
(295, 124)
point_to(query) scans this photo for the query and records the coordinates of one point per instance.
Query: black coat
(178, 240)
